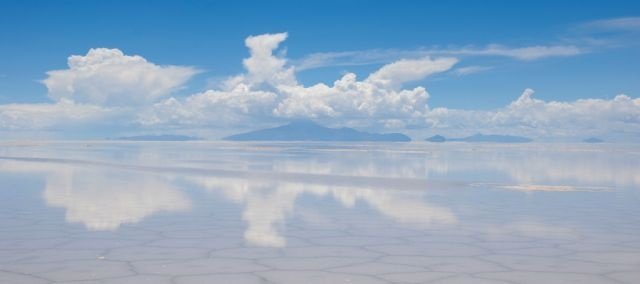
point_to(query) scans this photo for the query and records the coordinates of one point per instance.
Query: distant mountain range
(436, 138)
(165, 137)
(593, 140)
(306, 130)
(482, 138)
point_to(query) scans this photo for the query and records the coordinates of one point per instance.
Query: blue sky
(563, 51)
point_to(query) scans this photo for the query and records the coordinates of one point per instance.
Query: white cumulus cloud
(107, 86)
(378, 98)
(349, 98)
(44, 116)
(263, 65)
(242, 98)
(270, 90)
(212, 107)
(530, 116)
(109, 77)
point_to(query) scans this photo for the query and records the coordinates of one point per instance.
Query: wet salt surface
(217, 212)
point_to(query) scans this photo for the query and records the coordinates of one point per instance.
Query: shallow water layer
(218, 212)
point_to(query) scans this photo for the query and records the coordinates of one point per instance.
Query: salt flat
(229, 212)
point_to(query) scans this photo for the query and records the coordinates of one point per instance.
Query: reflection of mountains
(544, 164)
(531, 164)
(105, 195)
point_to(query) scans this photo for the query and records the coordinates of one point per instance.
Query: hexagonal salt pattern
(218, 212)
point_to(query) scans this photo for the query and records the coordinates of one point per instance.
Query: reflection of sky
(104, 186)
(268, 204)
(104, 198)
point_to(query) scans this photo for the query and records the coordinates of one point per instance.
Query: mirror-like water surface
(217, 212)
